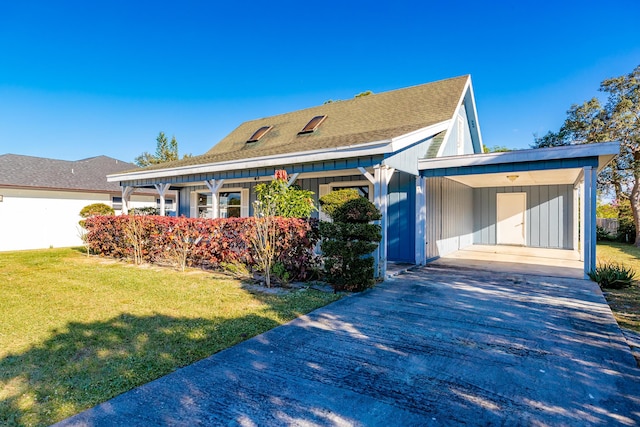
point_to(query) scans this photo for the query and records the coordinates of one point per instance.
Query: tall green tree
(617, 120)
(166, 151)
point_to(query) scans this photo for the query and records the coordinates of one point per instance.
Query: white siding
(449, 207)
(38, 219)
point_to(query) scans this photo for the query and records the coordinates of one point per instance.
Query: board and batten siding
(311, 184)
(449, 213)
(459, 138)
(548, 218)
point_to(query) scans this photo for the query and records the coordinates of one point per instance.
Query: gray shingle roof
(370, 118)
(39, 172)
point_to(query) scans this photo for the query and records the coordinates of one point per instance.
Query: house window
(204, 206)
(313, 124)
(116, 203)
(460, 136)
(230, 204)
(259, 133)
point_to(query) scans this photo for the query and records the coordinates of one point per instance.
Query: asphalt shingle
(361, 120)
(39, 172)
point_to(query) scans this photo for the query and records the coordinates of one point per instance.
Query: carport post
(161, 189)
(421, 221)
(589, 214)
(214, 185)
(126, 197)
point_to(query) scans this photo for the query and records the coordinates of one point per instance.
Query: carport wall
(549, 218)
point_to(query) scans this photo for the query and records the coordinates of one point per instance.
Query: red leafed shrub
(200, 242)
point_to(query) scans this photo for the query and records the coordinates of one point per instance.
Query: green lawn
(625, 303)
(76, 331)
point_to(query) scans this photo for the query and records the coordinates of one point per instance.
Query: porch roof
(542, 166)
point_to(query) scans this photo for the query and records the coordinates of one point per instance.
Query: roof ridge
(359, 99)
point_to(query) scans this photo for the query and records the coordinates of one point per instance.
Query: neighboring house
(40, 198)
(394, 147)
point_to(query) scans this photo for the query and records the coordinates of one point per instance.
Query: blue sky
(84, 78)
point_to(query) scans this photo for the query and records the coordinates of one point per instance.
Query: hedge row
(206, 243)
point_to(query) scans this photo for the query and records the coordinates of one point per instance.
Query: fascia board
(539, 154)
(475, 113)
(368, 149)
(452, 121)
(403, 141)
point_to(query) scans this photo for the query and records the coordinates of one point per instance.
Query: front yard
(625, 303)
(77, 331)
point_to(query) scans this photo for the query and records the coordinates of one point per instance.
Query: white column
(576, 218)
(590, 197)
(161, 189)
(382, 176)
(292, 179)
(421, 221)
(214, 185)
(581, 195)
(126, 196)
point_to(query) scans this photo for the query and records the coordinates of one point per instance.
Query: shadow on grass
(88, 363)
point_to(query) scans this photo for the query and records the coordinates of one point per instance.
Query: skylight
(313, 124)
(259, 133)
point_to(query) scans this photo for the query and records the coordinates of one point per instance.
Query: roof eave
(358, 150)
(605, 152)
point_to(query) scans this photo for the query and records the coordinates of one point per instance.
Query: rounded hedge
(333, 200)
(358, 211)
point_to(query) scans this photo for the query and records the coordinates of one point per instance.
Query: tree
(166, 151)
(617, 120)
(495, 149)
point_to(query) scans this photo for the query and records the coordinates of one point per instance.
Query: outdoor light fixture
(512, 178)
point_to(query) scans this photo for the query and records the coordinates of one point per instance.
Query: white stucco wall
(38, 219)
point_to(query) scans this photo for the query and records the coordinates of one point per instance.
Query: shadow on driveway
(434, 346)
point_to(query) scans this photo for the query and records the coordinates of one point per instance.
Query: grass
(624, 303)
(77, 331)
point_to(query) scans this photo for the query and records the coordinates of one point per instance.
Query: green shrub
(93, 210)
(602, 234)
(358, 211)
(348, 242)
(612, 276)
(282, 199)
(147, 210)
(96, 209)
(333, 200)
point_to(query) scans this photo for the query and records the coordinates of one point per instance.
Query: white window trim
(244, 200)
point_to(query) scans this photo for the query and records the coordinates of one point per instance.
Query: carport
(539, 198)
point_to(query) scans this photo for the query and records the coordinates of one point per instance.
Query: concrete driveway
(436, 346)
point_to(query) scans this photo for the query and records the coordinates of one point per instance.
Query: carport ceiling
(518, 179)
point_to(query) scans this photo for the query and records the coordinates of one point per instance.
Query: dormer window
(313, 124)
(259, 133)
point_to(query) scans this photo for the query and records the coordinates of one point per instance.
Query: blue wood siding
(330, 165)
(548, 219)
(406, 160)
(401, 224)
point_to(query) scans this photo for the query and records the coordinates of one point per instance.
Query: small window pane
(116, 203)
(230, 205)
